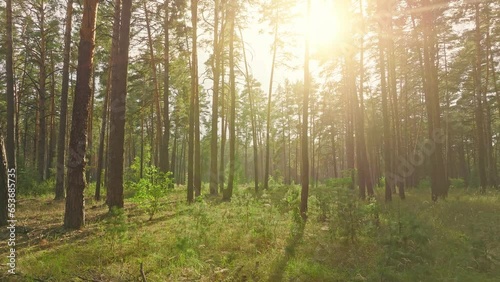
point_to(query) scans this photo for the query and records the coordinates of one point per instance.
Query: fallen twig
(142, 274)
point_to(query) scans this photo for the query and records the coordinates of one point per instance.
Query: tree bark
(41, 156)
(164, 152)
(117, 109)
(159, 129)
(479, 114)
(439, 181)
(192, 105)
(214, 177)
(385, 111)
(61, 139)
(253, 120)
(228, 192)
(11, 108)
(305, 118)
(269, 100)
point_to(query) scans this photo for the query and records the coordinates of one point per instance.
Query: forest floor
(261, 238)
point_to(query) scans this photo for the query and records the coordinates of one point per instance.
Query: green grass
(261, 238)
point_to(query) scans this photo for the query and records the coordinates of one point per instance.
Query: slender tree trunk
(360, 122)
(10, 155)
(61, 140)
(349, 90)
(385, 111)
(4, 184)
(222, 171)
(52, 131)
(479, 115)
(158, 139)
(174, 167)
(228, 193)
(197, 141)
(269, 100)
(214, 177)
(192, 104)
(391, 65)
(164, 153)
(117, 109)
(102, 134)
(74, 216)
(41, 97)
(252, 116)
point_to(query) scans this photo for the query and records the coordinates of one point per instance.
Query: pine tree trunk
(10, 156)
(164, 153)
(74, 216)
(192, 105)
(385, 111)
(52, 131)
(61, 140)
(479, 114)
(228, 193)
(253, 120)
(214, 176)
(117, 109)
(439, 181)
(396, 136)
(158, 139)
(41, 97)
(104, 125)
(304, 195)
(269, 100)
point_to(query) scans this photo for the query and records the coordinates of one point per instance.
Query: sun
(327, 26)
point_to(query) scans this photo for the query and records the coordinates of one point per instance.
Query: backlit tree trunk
(228, 192)
(214, 177)
(439, 180)
(305, 118)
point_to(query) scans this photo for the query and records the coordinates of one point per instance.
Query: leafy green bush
(457, 183)
(339, 182)
(275, 183)
(405, 247)
(424, 183)
(151, 189)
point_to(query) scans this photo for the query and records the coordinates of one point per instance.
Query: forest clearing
(262, 238)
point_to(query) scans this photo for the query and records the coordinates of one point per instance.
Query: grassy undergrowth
(261, 238)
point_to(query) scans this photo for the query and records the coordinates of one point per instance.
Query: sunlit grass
(258, 238)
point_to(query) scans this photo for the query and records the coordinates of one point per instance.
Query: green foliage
(116, 227)
(27, 182)
(253, 238)
(348, 217)
(405, 246)
(275, 183)
(340, 182)
(424, 183)
(457, 183)
(291, 198)
(132, 173)
(151, 189)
